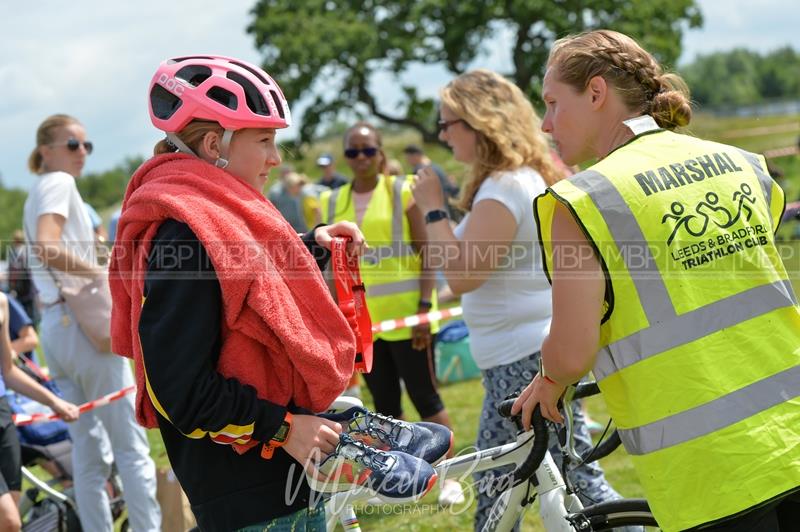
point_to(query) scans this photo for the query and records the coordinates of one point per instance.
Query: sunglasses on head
(74, 144)
(352, 153)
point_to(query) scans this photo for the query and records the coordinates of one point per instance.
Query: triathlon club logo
(709, 210)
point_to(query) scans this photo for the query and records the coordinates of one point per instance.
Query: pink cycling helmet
(234, 93)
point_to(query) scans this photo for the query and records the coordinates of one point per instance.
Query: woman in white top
(490, 257)
(59, 230)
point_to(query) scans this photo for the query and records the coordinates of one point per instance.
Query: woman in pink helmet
(222, 306)
(235, 337)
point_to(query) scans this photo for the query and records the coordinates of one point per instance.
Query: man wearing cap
(417, 159)
(330, 177)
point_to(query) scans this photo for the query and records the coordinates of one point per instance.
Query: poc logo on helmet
(171, 84)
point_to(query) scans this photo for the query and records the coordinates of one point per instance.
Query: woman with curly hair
(490, 257)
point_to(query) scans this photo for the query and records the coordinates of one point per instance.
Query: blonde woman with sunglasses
(489, 259)
(58, 227)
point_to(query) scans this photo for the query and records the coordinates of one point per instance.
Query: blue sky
(94, 58)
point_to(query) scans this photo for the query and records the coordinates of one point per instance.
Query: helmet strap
(222, 160)
(173, 139)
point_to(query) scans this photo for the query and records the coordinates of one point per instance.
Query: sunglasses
(352, 153)
(444, 124)
(74, 144)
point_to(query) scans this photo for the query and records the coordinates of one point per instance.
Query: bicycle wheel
(615, 514)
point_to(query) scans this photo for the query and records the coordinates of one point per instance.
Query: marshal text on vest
(687, 172)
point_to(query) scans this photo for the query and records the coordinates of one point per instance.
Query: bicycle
(536, 475)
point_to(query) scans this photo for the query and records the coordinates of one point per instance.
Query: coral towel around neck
(282, 332)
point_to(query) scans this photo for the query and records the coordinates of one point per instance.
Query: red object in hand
(351, 295)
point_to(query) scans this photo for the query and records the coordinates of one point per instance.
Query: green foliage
(741, 77)
(329, 50)
(107, 188)
(11, 202)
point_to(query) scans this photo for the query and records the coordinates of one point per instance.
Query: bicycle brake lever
(569, 422)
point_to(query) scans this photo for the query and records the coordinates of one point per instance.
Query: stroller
(49, 504)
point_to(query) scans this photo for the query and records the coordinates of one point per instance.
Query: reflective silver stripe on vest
(332, 205)
(692, 325)
(398, 287)
(763, 177)
(397, 208)
(714, 415)
(630, 240)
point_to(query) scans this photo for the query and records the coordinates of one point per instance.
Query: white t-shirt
(56, 193)
(509, 315)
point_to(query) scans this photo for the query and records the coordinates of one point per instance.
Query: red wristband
(548, 379)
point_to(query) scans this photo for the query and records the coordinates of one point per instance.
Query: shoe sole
(397, 500)
(321, 486)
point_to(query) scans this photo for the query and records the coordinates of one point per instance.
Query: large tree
(742, 77)
(330, 50)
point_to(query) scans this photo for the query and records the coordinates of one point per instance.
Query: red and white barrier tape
(24, 419)
(417, 319)
(782, 152)
(384, 326)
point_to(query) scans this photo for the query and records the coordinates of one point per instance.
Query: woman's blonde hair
(507, 127)
(191, 135)
(630, 69)
(45, 134)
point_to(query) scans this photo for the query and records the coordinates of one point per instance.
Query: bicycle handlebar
(585, 390)
(528, 467)
(540, 435)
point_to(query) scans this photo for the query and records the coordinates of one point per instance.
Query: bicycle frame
(555, 503)
(559, 507)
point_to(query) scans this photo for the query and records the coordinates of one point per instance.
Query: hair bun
(671, 109)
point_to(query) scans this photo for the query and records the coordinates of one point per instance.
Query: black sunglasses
(74, 144)
(444, 124)
(352, 153)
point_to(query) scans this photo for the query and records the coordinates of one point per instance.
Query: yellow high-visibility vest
(699, 356)
(391, 268)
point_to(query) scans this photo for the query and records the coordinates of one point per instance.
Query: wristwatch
(435, 216)
(282, 434)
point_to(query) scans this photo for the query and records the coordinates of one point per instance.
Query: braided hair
(634, 72)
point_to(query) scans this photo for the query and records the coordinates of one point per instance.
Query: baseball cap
(412, 148)
(325, 159)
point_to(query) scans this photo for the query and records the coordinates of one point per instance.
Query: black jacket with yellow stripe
(180, 334)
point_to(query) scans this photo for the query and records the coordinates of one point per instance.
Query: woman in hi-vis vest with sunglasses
(397, 280)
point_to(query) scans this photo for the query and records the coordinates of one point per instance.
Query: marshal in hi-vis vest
(699, 358)
(390, 268)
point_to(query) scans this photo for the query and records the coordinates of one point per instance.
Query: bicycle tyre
(614, 514)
